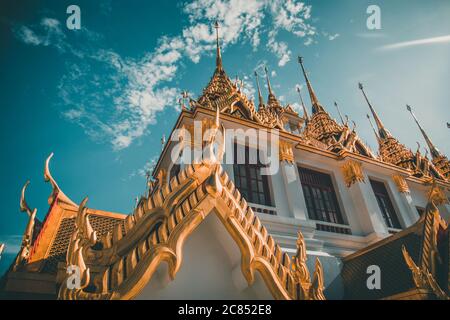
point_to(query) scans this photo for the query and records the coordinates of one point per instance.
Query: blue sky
(101, 97)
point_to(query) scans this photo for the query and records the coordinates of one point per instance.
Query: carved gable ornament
(401, 184)
(352, 171)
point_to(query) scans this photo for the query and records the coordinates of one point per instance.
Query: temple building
(331, 216)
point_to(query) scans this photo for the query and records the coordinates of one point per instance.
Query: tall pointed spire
(260, 98)
(383, 132)
(339, 112)
(272, 101)
(373, 128)
(305, 112)
(316, 106)
(434, 151)
(269, 87)
(218, 54)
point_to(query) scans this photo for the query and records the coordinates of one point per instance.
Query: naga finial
(299, 268)
(56, 192)
(23, 203)
(317, 285)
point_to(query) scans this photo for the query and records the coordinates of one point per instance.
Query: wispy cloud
(145, 169)
(117, 99)
(12, 243)
(413, 43)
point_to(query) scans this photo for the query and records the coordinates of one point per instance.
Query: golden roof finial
(339, 112)
(373, 128)
(434, 151)
(218, 54)
(316, 106)
(260, 98)
(268, 82)
(383, 132)
(305, 112)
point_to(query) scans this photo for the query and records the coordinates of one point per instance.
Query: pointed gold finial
(305, 112)
(339, 112)
(218, 54)
(434, 151)
(269, 87)
(316, 106)
(383, 132)
(260, 98)
(373, 128)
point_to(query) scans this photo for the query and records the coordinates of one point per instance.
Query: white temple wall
(210, 269)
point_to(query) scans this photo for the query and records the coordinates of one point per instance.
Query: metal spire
(268, 82)
(218, 54)
(383, 132)
(305, 112)
(339, 111)
(316, 106)
(261, 103)
(373, 128)
(434, 151)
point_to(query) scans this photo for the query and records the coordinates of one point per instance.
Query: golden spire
(271, 100)
(383, 132)
(305, 112)
(373, 128)
(434, 151)
(268, 82)
(260, 98)
(218, 54)
(339, 111)
(316, 106)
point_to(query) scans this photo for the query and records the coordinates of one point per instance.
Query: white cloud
(12, 243)
(280, 49)
(419, 42)
(117, 99)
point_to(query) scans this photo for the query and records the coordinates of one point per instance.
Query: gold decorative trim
(158, 228)
(400, 183)
(285, 151)
(27, 238)
(352, 171)
(56, 192)
(422, 278)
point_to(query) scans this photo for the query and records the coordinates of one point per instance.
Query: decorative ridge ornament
(56, 192)
(27, 238)
(400, 183)
(162, 223)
